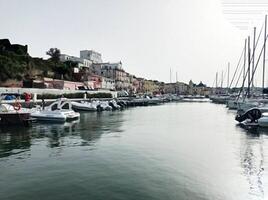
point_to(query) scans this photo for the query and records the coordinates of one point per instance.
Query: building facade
(80, 61)
(91, 55)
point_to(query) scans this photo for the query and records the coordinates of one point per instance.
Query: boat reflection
(252, 160)
(14, 141)
(83, 132)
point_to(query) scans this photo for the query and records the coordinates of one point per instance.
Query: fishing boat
(59, 111)
(84, 106)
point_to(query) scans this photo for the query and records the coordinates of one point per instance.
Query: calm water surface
(173, 151)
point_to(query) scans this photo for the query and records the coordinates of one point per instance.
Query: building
(61, 84)
(198, 89)
(108, 83)
(114, 71)
(176, 88)
(82, 63)
(150, 87)
(91, 55)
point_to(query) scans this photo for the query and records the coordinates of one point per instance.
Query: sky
(195, 38)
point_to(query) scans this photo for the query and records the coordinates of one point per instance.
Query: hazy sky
(196, 38)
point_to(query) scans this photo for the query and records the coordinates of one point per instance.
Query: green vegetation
(17, 64)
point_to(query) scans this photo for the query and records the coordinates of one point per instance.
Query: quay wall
(53, 91)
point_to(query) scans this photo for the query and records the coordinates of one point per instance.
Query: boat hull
(23, 119)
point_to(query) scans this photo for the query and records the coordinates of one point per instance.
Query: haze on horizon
(194, 38)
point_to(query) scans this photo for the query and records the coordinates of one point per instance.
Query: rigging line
(244, 79)
(250, 63)
(255, 67)
(237, 67)
(239, 76)
(213, 82)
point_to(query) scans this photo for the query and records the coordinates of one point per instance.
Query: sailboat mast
(216, 82)
(253, 56)
(248, 66)
(221, 79)
(264, 50)
(228, 74)
(170, 75)
(244, 66)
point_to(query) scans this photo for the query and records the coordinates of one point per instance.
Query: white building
(94, 56)
(81, 61)
(108, 83)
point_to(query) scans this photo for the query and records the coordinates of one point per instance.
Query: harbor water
(172, 151)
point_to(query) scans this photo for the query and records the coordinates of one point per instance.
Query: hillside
(17, 65)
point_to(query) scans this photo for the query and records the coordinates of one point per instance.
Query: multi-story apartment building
(114, 71)
(80, 61)
(94, 56)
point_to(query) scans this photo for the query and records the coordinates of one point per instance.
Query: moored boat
(14, 115)
(59, 111)
(84, 106)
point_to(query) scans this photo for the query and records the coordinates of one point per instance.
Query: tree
(54, 53)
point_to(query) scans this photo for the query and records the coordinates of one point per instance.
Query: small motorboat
(263, 121)
(122, 104)
(84, 106)
(114, 105)
(253, 115)
(104, 105)
(14, 115)
(59, 111)
(153, 100)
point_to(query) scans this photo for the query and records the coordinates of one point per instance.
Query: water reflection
(84, 132)
(14, 141)
(252, 160)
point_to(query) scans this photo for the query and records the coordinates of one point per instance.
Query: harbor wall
(53, 91)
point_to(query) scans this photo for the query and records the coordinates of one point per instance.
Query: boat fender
(17, 106)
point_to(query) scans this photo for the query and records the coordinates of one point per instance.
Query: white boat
(153, 100)
(114, 105)
(233, 104)
(84, 106)
(263, 121)
(102, 105)
(14, 115)
(221, 99)
(59, 111)
(105, 105)
(262, 104)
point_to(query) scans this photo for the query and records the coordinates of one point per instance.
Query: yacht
(59, 111)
